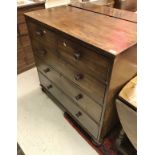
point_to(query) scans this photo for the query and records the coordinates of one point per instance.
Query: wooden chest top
(109, 34)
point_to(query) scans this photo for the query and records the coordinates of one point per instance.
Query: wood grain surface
(84, 47)
(106, 33)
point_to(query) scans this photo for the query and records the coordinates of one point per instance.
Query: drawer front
(83, 101)
(77, 113)
(42, 34)
(90, 85)
(82, 58)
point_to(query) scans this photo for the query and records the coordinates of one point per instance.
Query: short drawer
(90, 85)
(93, 109)
(70, 106)
(41, 34)
(83, 58)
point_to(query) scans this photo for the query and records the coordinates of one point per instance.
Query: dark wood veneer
(83, 61)
(111, 35)
(86, 103)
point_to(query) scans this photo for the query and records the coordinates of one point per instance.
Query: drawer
(87, 83)
(42, 34)
(22, 29)
(86, 122)
(83, 101)
(82, 58)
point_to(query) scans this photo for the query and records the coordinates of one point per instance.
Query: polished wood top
(109, 11)
(106, 33)
(129, 92)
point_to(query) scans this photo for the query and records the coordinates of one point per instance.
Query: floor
(42, 128)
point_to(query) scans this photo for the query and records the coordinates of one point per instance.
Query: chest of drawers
(76, 63)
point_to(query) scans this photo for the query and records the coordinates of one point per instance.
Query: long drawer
(76, 112)
(82, 58)
(83, 101)
(90, 85)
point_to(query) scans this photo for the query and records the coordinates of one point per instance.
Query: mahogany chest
(83, 60)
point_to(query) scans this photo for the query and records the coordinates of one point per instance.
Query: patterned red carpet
(108, 146)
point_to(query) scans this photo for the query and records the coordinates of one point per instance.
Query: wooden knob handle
(78, 77)
(49, 86)
(77, 55)
(46, 70)
(79, 96)
(40, 33)
(65, 44)
(78, 114)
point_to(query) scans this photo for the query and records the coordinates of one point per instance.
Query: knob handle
(79, 96)
(46, 70)
(49, 86)
(77, 55)
(64, 44)
(40, 33)
(78, 114)
(78, 76)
